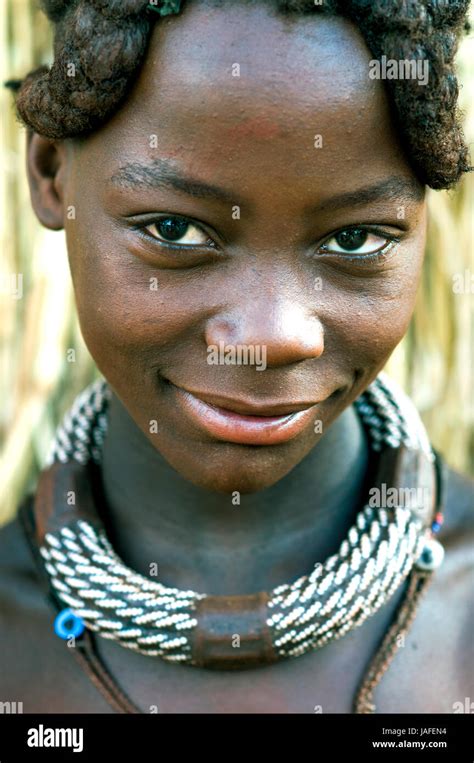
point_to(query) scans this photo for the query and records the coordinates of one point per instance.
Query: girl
(243, 514)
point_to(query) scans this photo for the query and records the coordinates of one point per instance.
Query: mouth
(242, 422)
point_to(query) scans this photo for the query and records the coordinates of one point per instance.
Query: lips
(243, 422)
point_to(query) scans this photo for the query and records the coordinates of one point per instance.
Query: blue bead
(68, 624)
(436, 527)
(431, 555)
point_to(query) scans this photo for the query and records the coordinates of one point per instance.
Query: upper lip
(250, 408)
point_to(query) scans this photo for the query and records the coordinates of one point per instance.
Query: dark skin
(252, 281)
(254, 138)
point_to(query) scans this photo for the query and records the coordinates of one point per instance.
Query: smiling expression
(272, 207)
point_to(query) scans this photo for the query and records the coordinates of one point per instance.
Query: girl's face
(251, 192)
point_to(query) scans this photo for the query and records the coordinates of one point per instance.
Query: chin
(228, 468)
(245, 483)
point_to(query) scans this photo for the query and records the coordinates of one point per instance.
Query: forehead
(242, 87)
(266, 52)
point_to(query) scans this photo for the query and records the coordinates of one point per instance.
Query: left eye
(177, 230)
(355, 241)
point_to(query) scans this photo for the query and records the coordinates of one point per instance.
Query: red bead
(439, 518)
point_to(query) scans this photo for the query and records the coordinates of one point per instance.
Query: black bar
(153, 737)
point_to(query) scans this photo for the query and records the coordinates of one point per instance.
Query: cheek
(136, 319)
(116, 306)
(376, 329)
(370, 316)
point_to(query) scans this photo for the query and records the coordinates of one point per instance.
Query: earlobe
(46, 166)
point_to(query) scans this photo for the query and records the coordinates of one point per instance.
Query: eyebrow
(392, 189)
(161, 174)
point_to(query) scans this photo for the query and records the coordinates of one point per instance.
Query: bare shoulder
(36, 667)
(432, 672)
(455, 577)
(17, 568)
(453, 582)
(26, 619)
(459, 511)
(23, 603)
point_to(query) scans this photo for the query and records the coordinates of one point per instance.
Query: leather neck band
(65, 493)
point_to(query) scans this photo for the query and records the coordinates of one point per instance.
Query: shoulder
(35, 666)
(25, 613)
(454, 578)
(430, 672)
(457, 533)
(16, 560)
(447, 615)
(459, 502)
(23, 596)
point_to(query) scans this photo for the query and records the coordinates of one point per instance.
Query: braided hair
(100, 45)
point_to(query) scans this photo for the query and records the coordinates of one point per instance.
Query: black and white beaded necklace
(377, 555)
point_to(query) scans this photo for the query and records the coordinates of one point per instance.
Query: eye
(357, 241)
(179, 231)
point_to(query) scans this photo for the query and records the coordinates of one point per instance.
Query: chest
(431, 671)
(324, 681)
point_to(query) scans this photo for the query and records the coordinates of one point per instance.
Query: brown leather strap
(87, 656)
(64, 495)
(406, 469)
(232, 632)
(418, 581)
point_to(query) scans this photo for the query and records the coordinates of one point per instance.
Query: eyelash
(141, 230)
(377, 256)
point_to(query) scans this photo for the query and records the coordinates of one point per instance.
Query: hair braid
(98, 44)
(427, 116)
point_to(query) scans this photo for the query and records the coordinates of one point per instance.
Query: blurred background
(40, 375)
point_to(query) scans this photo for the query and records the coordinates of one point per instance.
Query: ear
(46, 164)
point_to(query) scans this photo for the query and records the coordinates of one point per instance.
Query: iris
(172, 228)
(352, 239)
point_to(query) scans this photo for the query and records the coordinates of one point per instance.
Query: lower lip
(245, 430)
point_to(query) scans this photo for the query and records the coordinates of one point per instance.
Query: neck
(200, 540)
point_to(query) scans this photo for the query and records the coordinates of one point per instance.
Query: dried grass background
(38, 381)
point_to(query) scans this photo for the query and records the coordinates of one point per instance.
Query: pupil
(352, 239)
(172, 228)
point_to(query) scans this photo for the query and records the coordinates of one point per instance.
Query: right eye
(179, 231)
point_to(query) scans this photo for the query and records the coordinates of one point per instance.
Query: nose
(287, 331)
